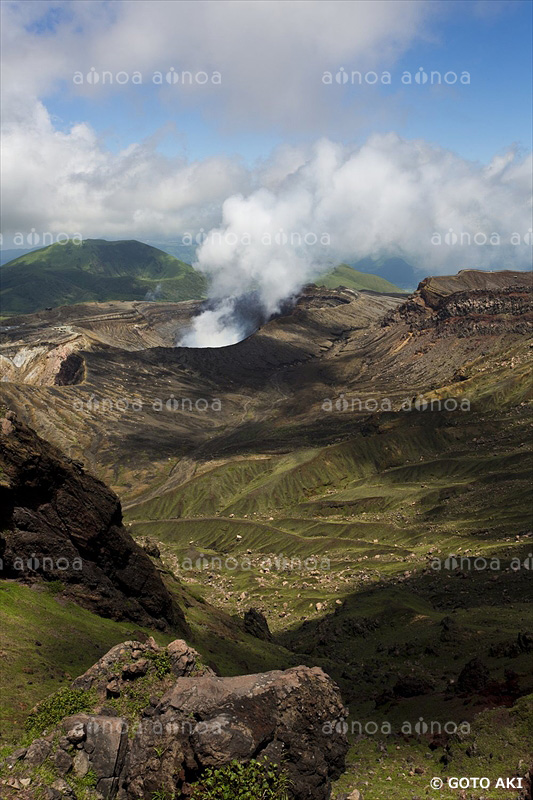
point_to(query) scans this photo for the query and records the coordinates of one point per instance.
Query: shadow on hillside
(405, 641)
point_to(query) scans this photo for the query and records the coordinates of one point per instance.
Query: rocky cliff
(471, 302)
(57, 522)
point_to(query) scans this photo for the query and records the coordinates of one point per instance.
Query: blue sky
(492, 44)
(383, 165)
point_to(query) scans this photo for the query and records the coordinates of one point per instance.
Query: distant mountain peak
(95, 270)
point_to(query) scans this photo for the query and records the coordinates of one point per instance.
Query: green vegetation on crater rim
(351, 278)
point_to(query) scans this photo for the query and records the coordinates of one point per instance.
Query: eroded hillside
(358, 470)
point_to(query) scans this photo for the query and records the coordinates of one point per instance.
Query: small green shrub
(253, 781)
(132, 701)
(88, 781)
(61, 704)
(161, 662)
(55, 587)
(44, 774)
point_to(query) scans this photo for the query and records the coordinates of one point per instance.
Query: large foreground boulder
(159, 718)
(209, 721)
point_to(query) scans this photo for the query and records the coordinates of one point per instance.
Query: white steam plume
(255, 250)
(388, 197)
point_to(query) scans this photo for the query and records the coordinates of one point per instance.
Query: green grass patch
(253, 781)
(63, 703)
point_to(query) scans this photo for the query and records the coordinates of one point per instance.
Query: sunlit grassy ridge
(95, 270)
(351, 278)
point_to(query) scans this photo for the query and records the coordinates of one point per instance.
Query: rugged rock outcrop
(192, 720)
(473, 678)
(58, 522)
(470, 302)
(209, 721)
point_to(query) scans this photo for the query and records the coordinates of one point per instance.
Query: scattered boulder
(81, 764)
(136, 669)
(511, 649)
(355, 794)
(37, 752)
(184, 661)
(473, 678)
(151, 548)
(62, 762)
(255, 623)
(412, 686)
(16, 755)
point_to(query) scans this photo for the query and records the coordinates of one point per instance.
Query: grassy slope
(450, 497)
(343, 275)
(46, 641)
(376, 507)
(388, 496)
(95, 271)
(70, 640)
(379, 507)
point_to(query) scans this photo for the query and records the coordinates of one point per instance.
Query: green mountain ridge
(351, 278)
(95, 270)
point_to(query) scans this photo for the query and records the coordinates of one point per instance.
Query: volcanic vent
(223, 322)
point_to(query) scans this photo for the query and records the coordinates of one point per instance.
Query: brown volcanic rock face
(471, 302)
(60, 523)
(332, 341)
(42, 349)
(437, 287)
(295, 716)
(194, 720)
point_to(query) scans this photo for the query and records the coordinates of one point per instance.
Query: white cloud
(385, 197)
(388, 197)
(271, 53)
(68, 182)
